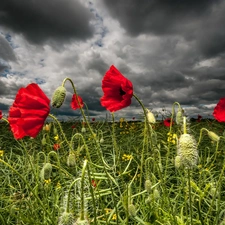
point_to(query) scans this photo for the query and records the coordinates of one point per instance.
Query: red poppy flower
(167, 122)
(56, 147)
(118, 90)
(219, 110)
(28, 112)
(93, 119)
(199, 118)
(74, 103)
(93, 183)
(0, 114)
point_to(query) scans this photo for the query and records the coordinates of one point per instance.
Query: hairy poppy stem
(4, 119)
(60, 127)
(149, 128)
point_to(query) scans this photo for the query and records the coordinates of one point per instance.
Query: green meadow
(101, 172)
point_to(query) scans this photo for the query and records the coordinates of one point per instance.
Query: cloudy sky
(171, 50)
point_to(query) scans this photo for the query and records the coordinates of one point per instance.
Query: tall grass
(111, 173)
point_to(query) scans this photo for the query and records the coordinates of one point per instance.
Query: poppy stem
(29, 188)
(185, 124)
(60, 127)
(5, 120)
(149, 131)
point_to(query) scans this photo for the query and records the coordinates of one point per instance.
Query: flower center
(122, 92)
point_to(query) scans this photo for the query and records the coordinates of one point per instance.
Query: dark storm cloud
(202, 21)
(6, 52)
(157, 16)
(40, 21)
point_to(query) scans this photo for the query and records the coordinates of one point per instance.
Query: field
(100, 172)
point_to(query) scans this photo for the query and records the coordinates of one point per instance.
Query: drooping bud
(66, 219)
(43, 141)
(58, 97)
(71, 160)
(46, 171)
(187, 151)
(179, 117)
(150, 116)
(213, 136)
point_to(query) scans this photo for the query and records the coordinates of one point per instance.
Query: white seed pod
(58, 97)
(187, 151)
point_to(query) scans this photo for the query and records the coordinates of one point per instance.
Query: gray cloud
(49, 20)
(6, 52)
(201, 21)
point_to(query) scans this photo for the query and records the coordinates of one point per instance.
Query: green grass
(106, 182)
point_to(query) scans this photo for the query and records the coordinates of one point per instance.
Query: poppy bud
(187, 151)
(156, 194)
(150, 116)
(179, 117)
(58, 97)
(71, 159)
(46, 171)
(148, 186)
(213, 136)
(132, 210)
(43, 141)
(66, 219)
(55, 131)
(47, 127)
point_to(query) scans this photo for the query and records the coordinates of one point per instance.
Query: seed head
(187, 151)
(58, 97)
